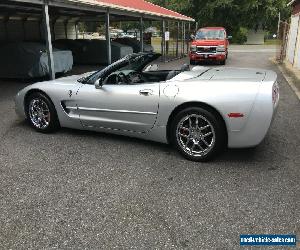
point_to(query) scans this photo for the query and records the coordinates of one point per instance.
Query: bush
(240, 36)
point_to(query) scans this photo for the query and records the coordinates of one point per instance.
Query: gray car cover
(93, 51)
(134, 44)
(30, 60)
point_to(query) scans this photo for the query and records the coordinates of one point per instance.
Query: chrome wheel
(195, 135)
(39, 113)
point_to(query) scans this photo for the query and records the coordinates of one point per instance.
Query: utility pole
(278, 25)
(48, 40)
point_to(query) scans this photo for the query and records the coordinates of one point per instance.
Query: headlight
(193, 48)
(221, 48)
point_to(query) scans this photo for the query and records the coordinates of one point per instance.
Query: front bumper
(194, 56)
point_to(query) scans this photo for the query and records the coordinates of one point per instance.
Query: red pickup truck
(209, 44)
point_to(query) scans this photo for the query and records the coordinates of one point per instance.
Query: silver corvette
(199, 111)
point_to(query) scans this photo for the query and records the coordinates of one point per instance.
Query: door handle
(146, 92)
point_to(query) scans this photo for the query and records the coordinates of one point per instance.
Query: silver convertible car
(199, 111)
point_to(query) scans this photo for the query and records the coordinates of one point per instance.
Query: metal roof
(136, 6)
(122, 8)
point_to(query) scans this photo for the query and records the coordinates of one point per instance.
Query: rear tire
(192, 62)
(41, 113)
(198, 134)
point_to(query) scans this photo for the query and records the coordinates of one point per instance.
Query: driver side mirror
(229, 37)
(193, 37)
(98, 83)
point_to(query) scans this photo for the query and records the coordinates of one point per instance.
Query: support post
(5, 21)
(107, 36)
(188, 38)
(278, 25)
(142, 34)
(167, 42)
(24, 28)
(177, 40)
(183, 37)
(66, 28)
(48, 40)
(76, 29)
(163, 40)
(53, 28)
(41, 26)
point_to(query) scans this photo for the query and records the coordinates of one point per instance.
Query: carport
(38, 20)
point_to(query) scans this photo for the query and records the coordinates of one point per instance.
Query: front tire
(223, 62)
(198, 134)
(41, 113)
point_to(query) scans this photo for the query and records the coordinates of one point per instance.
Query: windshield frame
(121, 63)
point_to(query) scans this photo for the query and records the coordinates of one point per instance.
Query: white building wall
(297, 49)
(297, 56)
(59, 30)
(292, 39)
(60, 33)
(71, 30)
(32, 30)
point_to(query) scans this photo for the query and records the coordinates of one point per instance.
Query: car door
(120, 107)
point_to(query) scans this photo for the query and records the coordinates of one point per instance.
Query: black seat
(173, 73)
(185, 67)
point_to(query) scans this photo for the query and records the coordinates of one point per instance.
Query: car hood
(64, 81)
(72, 79)
(208, 42)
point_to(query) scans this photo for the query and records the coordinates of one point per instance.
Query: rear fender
(226, 97)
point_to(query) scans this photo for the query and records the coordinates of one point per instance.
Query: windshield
(207, 34)
(91, 78)
(135, 62)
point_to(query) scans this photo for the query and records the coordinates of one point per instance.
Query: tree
(232, 14)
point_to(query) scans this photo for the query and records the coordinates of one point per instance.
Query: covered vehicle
(209, 44)
(199, 111)
(93, 51)
(30, 60)
(134, 44)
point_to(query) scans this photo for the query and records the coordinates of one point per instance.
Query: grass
(272, 42)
